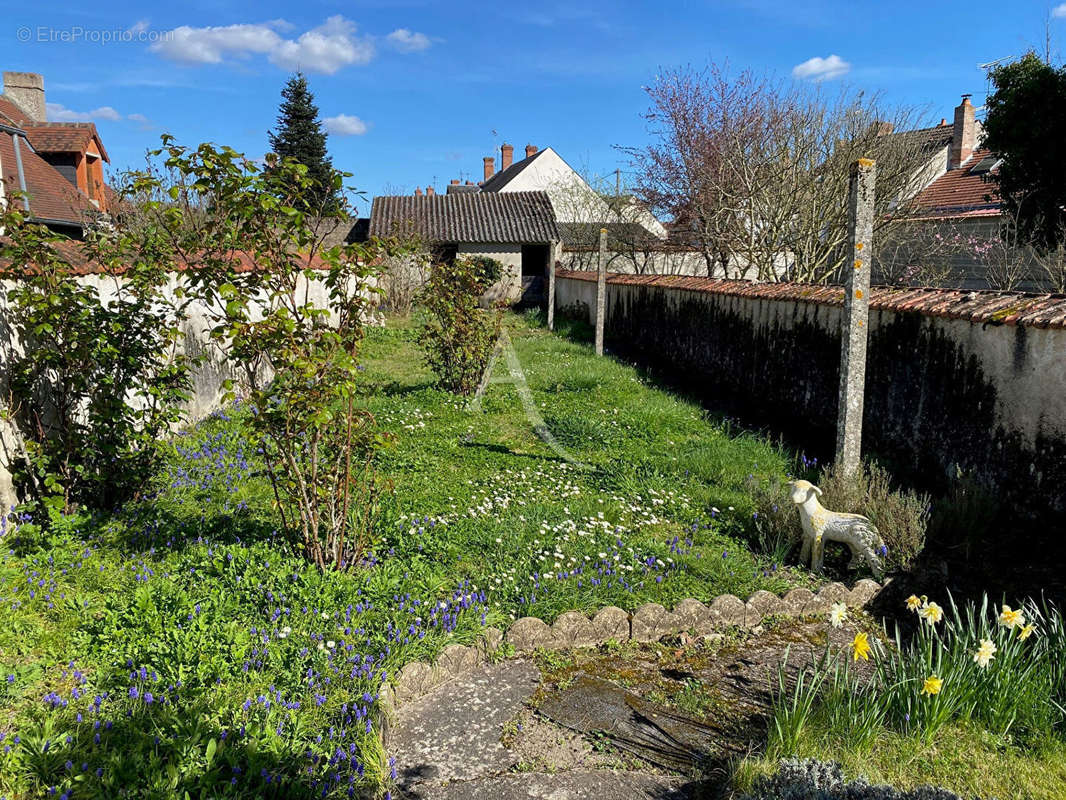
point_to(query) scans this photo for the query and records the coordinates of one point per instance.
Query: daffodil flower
(838, 613)
(932, 685)
(931, 613)
(860, 647)
(914, 602)
(1010, 618)
(985, 653)
(1025, 632)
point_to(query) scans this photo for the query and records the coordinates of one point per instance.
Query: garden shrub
(94, 377)
(901, 516)
(288, 315)
(460, 335)
(810, 779)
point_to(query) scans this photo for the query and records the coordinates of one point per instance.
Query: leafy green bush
(94, 377)
(460, 335)
(288, 315)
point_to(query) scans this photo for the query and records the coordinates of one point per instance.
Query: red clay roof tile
(990, 307)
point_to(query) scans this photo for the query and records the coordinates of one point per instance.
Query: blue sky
(418, 92)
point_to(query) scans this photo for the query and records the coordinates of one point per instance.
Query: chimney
(454, 181)
(964, 137)
(418, 191)
(531, 150)
(943, 121)
(506, 156)
(490, 166)
(26, 90)
(469, 183)
(429, 191)
(884, 128)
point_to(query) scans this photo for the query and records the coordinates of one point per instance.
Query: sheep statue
(820, 525)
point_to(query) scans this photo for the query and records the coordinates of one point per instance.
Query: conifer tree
(299, 135)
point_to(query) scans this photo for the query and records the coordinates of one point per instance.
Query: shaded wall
(954, 379)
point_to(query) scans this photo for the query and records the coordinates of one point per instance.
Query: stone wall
(968, 380)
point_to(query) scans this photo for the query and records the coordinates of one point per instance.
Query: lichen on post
(856, 315)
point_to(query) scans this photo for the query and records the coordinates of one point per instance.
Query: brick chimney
(454, 181)
(418, 191)
(964, 135)
(26, 90)
(884, 128)
(531, 150)
(506, 156)
(429, 191)
(469, 183)
(490, 166)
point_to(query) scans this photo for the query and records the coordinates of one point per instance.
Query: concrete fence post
(856, 316)
(551, 294)
(601, 290)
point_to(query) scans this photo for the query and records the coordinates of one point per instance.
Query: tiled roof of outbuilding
(489, 218)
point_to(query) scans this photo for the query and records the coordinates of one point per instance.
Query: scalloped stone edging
(648, 623)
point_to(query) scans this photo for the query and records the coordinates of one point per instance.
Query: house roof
(962, 192)
(505, 176)
(619, 234)
(64, 137)
(11, 114)
(495, 217)
(51, 196)
(930, 138)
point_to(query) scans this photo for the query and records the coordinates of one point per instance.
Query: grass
(179, 648)
(962, 758)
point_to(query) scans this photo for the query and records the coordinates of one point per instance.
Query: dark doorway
(534, 260)
(534, 268)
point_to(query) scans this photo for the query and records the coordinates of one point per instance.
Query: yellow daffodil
(931, 613)
(932, 685)
(1009, 618)
(838, 613)
(1025, 632)
(860, 647)
(985, 653)
(914, 602)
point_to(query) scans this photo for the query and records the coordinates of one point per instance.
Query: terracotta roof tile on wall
(489, 218)
(989, 307)
(51, 196)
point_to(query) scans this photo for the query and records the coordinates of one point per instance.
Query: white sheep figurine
(820, 525)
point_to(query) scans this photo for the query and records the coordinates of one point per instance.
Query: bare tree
(756, 169)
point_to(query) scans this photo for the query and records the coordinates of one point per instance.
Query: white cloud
(327, 48)
(57, 112)
(821, 69)
(140, 26)
(1059, 11)
(407, 41)
(345, 125)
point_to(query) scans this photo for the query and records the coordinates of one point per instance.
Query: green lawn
(177, 647)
